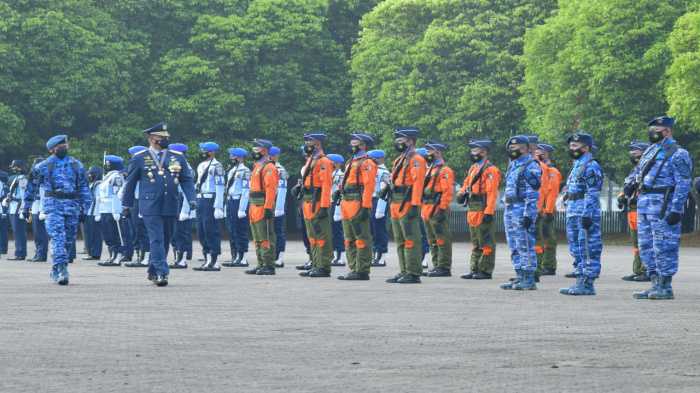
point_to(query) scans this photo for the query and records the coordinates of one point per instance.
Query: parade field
(112, 331)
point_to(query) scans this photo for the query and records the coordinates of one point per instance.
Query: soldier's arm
(117, 185)
(682, 168)
(31, 190)
(418, 170)
(326, 175)
(187, 180)
(281, 195)
(132, 178)
(270, 181)
(367, 176)
(219, 186)
(245, 193)
(594, 184)
(533, 176)
(447, 184)
(491, 182)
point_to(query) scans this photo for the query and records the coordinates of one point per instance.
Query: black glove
(673, 218)
(413, 212)
(125, 212)
(621, 202)
(193, 206)
(363, 214)
(461, 199)
(526, 222)
(296, 191)
(322, 212)
(487, 218)
(26, 213)
(269, 214)
(586, 222)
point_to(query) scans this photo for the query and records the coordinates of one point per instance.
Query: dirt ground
(112, 331)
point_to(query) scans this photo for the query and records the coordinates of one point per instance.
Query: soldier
(356, 190)
(583, 187)
(158, 172)
(264, 181)
(628, 203)
(210, 205)
(337, 224)
(139, 236)
(521, 194)
(41, 238)
(280, 204)
(317, 180)
(480, 194)
(4, 224)
(237, 196)
(407, 177)
(14, 205)
(182, 236)
(66, 194)
(115, 229)
(546, 247)
(380, 236)
(92, 233)
(663, 179)
(425, 247)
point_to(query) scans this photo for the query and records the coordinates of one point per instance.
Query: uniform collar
(522, 159)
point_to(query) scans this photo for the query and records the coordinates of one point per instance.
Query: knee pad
(488, 250)
(360, 243)
(440, 242)
(539, 250)
(408, 243)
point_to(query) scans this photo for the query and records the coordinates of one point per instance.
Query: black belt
(400, 189)
(62, 195)
(661, 190)
(514, 199)
(574, 196)
(352, 190)
(257, 194)
(480, 198)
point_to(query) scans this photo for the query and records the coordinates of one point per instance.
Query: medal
(161, 172)
(151, 177)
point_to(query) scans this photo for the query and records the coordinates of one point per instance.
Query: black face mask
(514, 154)
(635, 160)
(475, 157)
(354, 149)
(16, 170)
(107, 168)
(204, 155)
(61, 152)
(655, 136)
(163, 143)
(575, 153)
(540, 157)
(430, 158)
(309, 149)
(257, 155)
(400, 147)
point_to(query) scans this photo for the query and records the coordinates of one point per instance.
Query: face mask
(635, 160)
(163, 143)
(309, 149)
(204, 155)
(430, 158)
(355, 149)
(475, 157)
(655, 136)
(540, 157)
(514, 154)
(575, 153)
(61, 152)
(108, 168)
(90, 178)
(400, 147)
(257, 155)
(16, 170)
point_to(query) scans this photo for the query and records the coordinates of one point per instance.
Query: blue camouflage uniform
(15, 210)
(237, 197)
(41, 237)
(663, 177)
(210, 202)
(522, 183)
(280, 208)
(66, 195)
(4, 222)
(158, 173)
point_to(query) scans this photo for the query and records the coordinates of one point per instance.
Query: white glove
(218, 214)
(279, 213)
(42, 216)
(140, 216)
(241, 214)
(21, 216)
(183, 217)
(116, 216)
(193, 214)
(379, 214)
(98, 217)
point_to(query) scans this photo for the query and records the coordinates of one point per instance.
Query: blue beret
(546, 147)
(406, 132)
(115, 161)
(663, 121)
(533, 138)
(55, 141)
(315, 136)
(422, 151)
(209, 147)
(264, 143)
(137, 149)
(481, 143)
(581, 136)
(518, 140)
(275, 151)
(336, 158)
(160, 129)
(95, 170)
(638, 145)
(18, 163)
(178, 147)
(362, 137)
(376, 154)
(434, 145)
(237, 152)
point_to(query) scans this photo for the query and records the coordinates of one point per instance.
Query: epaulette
(139, 153)
(175, 152)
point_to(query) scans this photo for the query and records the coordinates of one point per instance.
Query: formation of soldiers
(142, 209)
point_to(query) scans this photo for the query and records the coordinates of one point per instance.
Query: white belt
(208, 195)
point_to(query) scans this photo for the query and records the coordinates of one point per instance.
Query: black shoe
(481, 276)
(571, 275)
(548, 272)
(90, 258)
(306, 266)
(355, 276)
(394, 279)
(176, 265)
(641, 278)
(316, 272)
(39, 260)
(253, 271)
(631, 277)
(468, 276)
(266, 271)
(440, 272)
(16, 258)
(152, 278)
(409, 279)
(161, 281)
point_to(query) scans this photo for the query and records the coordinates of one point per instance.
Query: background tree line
(231, 70)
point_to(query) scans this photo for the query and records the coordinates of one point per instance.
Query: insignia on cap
(513, 140)
(576, 137)
(659, 121)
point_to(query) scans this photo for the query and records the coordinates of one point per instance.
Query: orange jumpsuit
(263, 193)
(437, 196)
(357, 189)
(317, 175)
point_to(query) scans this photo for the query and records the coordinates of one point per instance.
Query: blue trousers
(207, 227)
(160, 230)
(182, 239)
(424, 239)
(93, 237)
(338, 235)
(585, 246)
(238, 228)
(281, 235)
(4, 233)
(41, 238)
(521, 241)
(62, 229)
(140, 237)
(110, 229)
(380, 235)
(19, 230)
(658, 244)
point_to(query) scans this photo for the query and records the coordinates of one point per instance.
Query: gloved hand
(621, 201)
(586, 223)
(193, 206)
(322, 212)
(193, 214)
(379, 214)
(183, 216)
(461, 198)
(279, 213)
(673, 218)
(42, 216)
(218, 214)
(241, 214)
(296, 191)
(125, 212)
(488, 218)
(413, 212)
(440, 215)
(526, 222)
(269, 214)
(117, 217)
(364, 213)
(98, 218)
(24, 214)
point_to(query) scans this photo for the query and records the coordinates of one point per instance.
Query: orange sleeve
(553, 190)
(418, 170)
(368, 176)
(447, 185)
(467, 181)
(325, 171)
(493, 180)
(271, 179)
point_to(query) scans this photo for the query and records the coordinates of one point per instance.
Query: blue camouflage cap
(376, 154)
(315, 136)
(518, 140)
(55, 141)
(95, 171)
(160, 129)
(481, 143)
(264, 143)
(178, 147)
(638, 145)
(406, 132)
(137, 149)
(275, 151)
(546, 147)
(581, 136)
(662, 121)
(237, 152)
(336, 158)
(422, 151)
(209, 147)
(362, 137)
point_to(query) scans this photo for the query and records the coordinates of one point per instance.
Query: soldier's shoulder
(175, 152)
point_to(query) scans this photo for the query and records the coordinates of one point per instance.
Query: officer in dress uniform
(140, 241)
(380, 235)
(337, 224)
(93, 235)
(115, 229)
(280, 208)
(210, 205)
(522, 183)
(628, 204)
(14, 205)
(158, 172)
(237, 197)
(662, 181)
(182, 235)
(64, 181)
(41, 238)
(4, 223)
